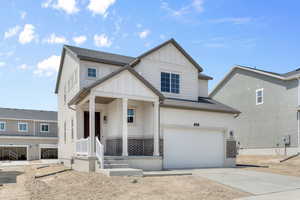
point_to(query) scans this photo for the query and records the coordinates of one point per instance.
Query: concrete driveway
(257, 183)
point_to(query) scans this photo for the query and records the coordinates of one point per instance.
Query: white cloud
(2, 64)
(162, 36)
(28, 34)
(48, 66)
(79, 39)
(234, 20)
(54, 39)
(198, 5)
(144, 33)
(12, 31)
(100, 7)
(46, 4)
(23, 14)
(23, 67)
(69, 6)
(195, 5)
(102, 40)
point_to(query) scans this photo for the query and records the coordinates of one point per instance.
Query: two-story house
(28, 134)
(269, 102)
(147, 112)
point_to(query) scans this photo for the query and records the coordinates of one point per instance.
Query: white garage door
(193, 148)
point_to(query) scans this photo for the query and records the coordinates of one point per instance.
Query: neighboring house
(148, 112)
(28, 134)
(269, 102)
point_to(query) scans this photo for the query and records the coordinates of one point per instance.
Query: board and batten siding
(261, 126)
(65, 114)
(101, 68)
(169, 59)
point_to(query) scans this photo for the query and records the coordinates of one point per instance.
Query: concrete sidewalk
(290, 195)
(256, 183)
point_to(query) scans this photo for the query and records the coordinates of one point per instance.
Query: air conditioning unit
(286, 140)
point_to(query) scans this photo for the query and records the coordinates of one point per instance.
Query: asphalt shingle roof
(89, 54)
(203, 103)
(12, 113)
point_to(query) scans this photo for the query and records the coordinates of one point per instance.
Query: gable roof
(285, 76)
(25, 114)
(85, 91)
(172, 41)
(116, 59)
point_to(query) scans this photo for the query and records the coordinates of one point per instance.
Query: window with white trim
(259, 96)
(2, 126)
(131, 116)
(44, 127)
(170, 82)
(23, 127)
(92, 72)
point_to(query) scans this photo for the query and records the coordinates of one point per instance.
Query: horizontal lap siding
(261, 126)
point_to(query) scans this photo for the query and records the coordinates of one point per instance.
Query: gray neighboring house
(28, 134)
(269, 102)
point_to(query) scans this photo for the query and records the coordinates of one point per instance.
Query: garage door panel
(193, 148)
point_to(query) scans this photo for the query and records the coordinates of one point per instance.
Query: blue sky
(217, 33)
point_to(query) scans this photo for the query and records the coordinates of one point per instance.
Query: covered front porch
(118, 119)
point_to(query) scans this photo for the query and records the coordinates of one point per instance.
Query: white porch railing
(82, 146)
(100, 152)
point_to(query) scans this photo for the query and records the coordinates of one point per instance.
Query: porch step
(115, 166)
(115, 162)
(122, 172)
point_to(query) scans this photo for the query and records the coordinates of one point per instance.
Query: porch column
(79, 123)
(156, 128)
(92, 125)
(124, 127)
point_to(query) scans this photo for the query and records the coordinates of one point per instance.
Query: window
(165, 82)
(23, 127)
(92, 72)
(44, 127)
(259, 96)
(131, 116)
(2, 126)
(175, 83)
(170, 82)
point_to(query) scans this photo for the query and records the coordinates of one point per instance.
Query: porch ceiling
(103, 100)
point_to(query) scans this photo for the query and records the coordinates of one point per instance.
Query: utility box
(286, 140)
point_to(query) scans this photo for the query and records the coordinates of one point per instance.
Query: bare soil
(290, 167)
(72, 185)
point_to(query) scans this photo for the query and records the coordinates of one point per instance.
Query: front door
(87, 125)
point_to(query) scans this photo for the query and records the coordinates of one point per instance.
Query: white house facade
(149, 112)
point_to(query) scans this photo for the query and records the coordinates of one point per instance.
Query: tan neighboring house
(27, 134)
(148, 112)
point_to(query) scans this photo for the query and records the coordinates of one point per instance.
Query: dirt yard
(272, 164)
(72, 185)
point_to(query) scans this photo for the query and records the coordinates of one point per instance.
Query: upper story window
(92, 72)
(170, 82)
(23, 127)
(259, 96)
(131, 116)
(2, 126)
(44, 127)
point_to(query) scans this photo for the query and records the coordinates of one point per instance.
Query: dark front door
(87, 124)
